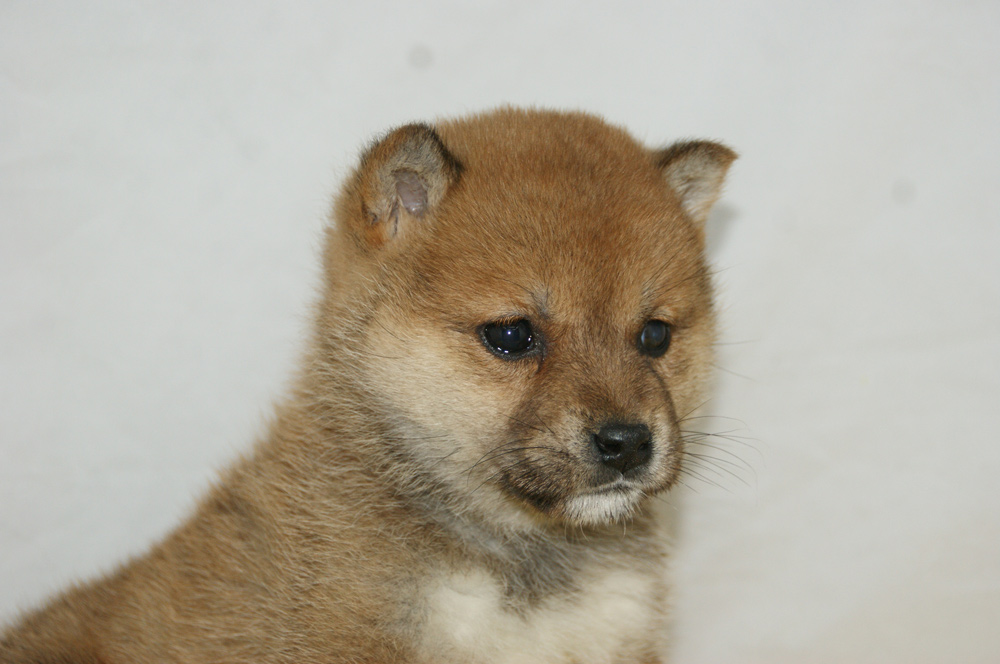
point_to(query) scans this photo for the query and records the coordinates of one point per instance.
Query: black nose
(623, 446)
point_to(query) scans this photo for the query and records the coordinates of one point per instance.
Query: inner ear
(401, 179)
(695, 170)
(412, 192)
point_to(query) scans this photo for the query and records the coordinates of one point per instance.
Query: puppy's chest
(607, 615)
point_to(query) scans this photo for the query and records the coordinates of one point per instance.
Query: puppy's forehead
(572, 213)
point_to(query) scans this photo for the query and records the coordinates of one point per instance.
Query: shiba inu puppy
(516, 318)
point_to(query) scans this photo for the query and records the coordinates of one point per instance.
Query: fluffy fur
(419, 497)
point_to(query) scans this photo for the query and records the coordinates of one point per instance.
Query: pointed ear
(695, 171)
(401, 178)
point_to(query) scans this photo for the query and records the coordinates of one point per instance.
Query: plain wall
(165, 170)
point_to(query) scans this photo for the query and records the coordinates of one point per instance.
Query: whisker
(735, 461)
(542, 422)
(711, 417)
(709, 466)
(546, 448)
(736, 343)
(686, 415)
(717, 448)
(522, 423)
(499, 447)
(386, 330)
(501, 453)
(500, 472)
(445, 457)
(680, 480)
(687, 470)
(733, 373)
(700, 436)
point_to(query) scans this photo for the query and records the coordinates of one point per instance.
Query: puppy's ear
(695, 171)
(401, 179)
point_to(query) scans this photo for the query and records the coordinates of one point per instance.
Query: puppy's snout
(623, 446)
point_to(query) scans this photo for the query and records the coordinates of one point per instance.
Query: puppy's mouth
(603, 502)
(615, 501)
(621, 485)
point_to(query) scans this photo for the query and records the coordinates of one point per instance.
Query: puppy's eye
(654, 340)
(509, 339)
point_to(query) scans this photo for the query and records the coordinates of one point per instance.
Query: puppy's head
(528, 308)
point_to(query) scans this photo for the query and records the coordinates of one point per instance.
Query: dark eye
(509, 339)
(654, 340)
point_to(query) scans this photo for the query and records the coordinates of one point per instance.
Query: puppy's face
(544, 317)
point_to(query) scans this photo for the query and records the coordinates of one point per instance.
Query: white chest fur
(614, 613)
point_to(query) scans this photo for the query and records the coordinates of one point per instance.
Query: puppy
(516, 318)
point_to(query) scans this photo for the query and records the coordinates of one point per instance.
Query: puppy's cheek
(691, 379)
(440, 401)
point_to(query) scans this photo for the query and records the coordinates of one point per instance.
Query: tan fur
(418, 498)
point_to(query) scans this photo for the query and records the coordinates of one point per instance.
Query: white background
(165, 171)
